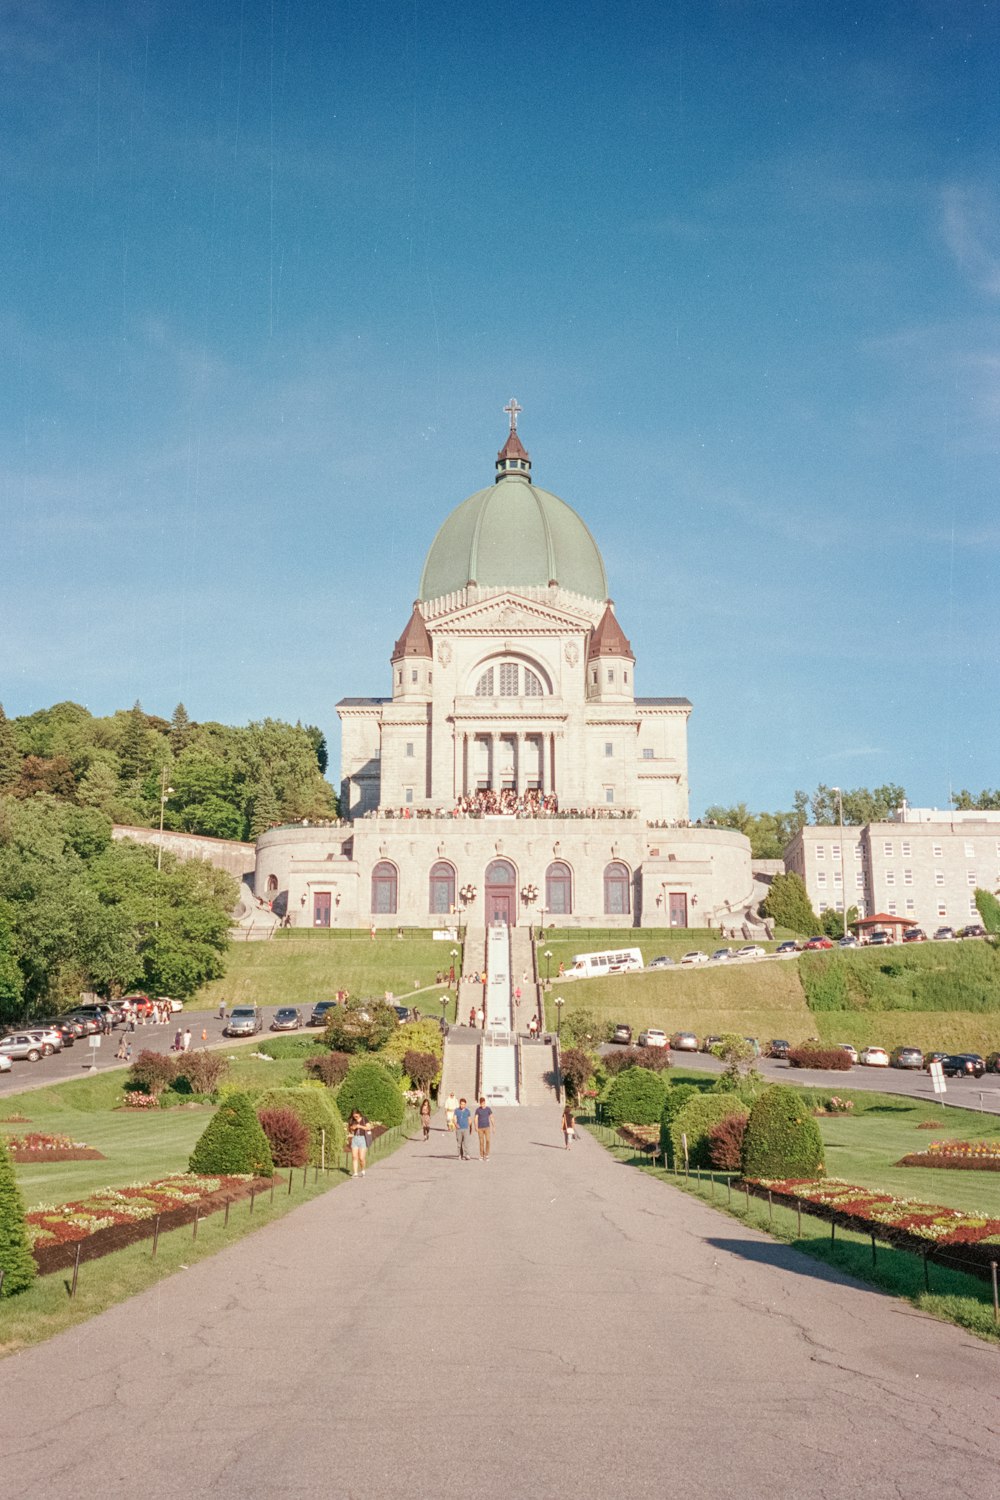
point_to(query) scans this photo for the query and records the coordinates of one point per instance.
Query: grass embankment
(940, 995)
(565, 942)
(300, 968)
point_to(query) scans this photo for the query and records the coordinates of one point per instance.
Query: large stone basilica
(513, 773)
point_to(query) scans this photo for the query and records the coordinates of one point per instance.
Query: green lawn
(565, 942)
(294, 969)
(945, 1031)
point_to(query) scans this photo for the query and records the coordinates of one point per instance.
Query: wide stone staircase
(539, 1063)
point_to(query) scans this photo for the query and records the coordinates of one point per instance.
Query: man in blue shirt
(484, 1122)
(463, 1130)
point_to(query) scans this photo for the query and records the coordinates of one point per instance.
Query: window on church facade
(385, 889)
(559, 889)
(616, 890)
(442, 888)
(508, 679)
(532, 684)
(484, 687)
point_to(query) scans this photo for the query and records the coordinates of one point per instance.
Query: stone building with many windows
(924, 866)
(513, 770)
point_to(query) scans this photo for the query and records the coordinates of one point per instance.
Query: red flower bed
(974, 1156)
(112, 1218)
(35, 1147)
(970, 1241)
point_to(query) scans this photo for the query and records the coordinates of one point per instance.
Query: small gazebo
(882, 922)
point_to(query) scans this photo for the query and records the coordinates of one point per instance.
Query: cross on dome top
(513, 411)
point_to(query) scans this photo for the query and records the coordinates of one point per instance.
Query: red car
(914, 935)
(817, 942)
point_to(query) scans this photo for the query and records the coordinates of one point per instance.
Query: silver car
(21, 1046)
(50, 1040)
(244, 1020)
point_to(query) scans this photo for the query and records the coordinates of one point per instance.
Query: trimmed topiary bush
(317, 1111)
(782, 1138)
(331, 1067)
(287, 1136)
(151, 1073)
(16, 1259)
(577, 1068)
(422, 1069)
(200, 1072)
(695, 1121)
(725, 1143)
(371, 1088)
(677, 1096)
(810, 1056)
(656, 1059)
(636, 1097)
(233, 1142)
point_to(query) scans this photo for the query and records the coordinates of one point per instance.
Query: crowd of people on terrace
(505, 803)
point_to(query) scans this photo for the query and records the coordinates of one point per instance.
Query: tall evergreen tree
(180, 729)
(10, 755)
(133, 752)
(265, 807)
(16, 1259)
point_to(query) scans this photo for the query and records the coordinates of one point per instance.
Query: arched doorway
(501, 893)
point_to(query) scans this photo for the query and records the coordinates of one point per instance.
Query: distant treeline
(227, 782)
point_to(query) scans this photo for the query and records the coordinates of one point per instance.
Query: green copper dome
(514, 535)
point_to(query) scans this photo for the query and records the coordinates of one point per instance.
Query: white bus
(614, 961)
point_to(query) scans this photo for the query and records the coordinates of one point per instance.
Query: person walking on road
(357, 1133)
(425, 1118)
(450, 1106)
(568, 1125)
(186, 1041)
(463, 1127)
(222, 1010)
(481, 1018)
(484, 1124)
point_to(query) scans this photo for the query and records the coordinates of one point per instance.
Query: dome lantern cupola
(513, 458)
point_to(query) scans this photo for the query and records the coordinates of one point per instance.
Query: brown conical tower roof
(609, 639)
(513, 447)
(415, 640)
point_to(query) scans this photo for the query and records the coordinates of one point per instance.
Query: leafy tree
(582, 1028)
(373, 1090)
(984, 801)
(11, 984)
(695, 1122)
(577, 1069)
(635, 1097)
(265, 808)
(233, 1142)
(422, 1068)
(768, 833)
(134, 751)
(787, 904)
(740, 1058)
(16, 1260)
(832, 922)
(10, 755)
(860, 805)
(415, 1036)
(318, 741)
(54, 776)
(989, 912)
(180, 729)
(360, 1026)
(99, 788)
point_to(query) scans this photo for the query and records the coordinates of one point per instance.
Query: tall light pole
(165, 792)
(548, 964)
(559, 1003)
(843, 868)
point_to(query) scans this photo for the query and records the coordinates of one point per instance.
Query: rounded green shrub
(695, 1121)
(233, 1142)
(677, 1096)
(16, 1260)
(782, 1138)
(636, 1097)
(316, 1109)
(371, 1088)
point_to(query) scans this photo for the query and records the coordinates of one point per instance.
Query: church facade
(513, 771)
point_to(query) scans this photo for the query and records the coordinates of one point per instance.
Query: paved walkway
(546, 1325)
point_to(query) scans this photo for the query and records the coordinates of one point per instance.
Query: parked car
(710, 1041)
(320, 1012)
(817, 942)
(850, 1049)
(778, 1048)
(141, 1004)
(663, 962)
(944, 934)
(175, 1005)
(622, 1033)
(653, 1037)
(74, 1024)
(721, 955)
(750, 950)
(933, 1057)
(848, 942)
(403, 1013)
(91, 1024)
(874, 1057)
(914, 935)
(99, 1012)
(907, 1057)
(67, 1031)
(993, 1063)
(696, 956)
(286, 1018)
(955, 1065)
(788, 947)
(973, 930)
(244, 1020)
(5, 1063)
(879, 939)
(49, 1040)
(683, 1041)
(20, 1046)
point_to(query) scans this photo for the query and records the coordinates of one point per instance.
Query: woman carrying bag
(568, 1125)
(359, 1134)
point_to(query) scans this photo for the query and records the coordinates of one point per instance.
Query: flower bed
(975, 1156)
(112, 1218)
(641, 1137)
(950, 1235)
(835, 1106)
(35, 1147)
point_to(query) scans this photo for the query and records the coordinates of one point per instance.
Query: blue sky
(272, 268)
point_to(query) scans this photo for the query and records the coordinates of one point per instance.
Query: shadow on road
(786, 1258)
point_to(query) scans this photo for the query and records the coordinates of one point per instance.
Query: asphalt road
(547, 1325)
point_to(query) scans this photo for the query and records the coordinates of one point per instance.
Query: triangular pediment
(509, 614)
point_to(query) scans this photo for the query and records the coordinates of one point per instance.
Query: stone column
(518, 764)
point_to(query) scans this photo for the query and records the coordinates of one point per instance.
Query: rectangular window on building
(625, 676)
(611, 674)
(970, 877)
(938, 851)
(821, 851)
(609, 794)
(973, 910)
(939, 877)
(942, 909)
(408, 794)
(409, 749)
(821, 878)
(593, 676)
(890, 877)
(891, 908)
(840, 906)
(905, 849)
(834, 851)
(859, 880)
(907, 877)
(910, 905)
(887, 848)
(837, 878)
(414, 675)
(822, 907)
(970, 850)
(647, 753)
(609, 748)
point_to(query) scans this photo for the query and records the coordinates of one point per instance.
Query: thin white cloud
(970, 225)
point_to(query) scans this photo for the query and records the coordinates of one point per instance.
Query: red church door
(501, 893)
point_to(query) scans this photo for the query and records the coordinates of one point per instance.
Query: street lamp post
(843, 870)
(444, 1008)
(548, 966)
(165, 793)
(454, 955)
(559, 1003)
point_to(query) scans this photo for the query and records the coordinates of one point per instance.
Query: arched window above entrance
(442, 888)
(617, 883)
(559, 889)
(510, 679)
(385, 889)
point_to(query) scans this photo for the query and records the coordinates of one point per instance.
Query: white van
(614, 961)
